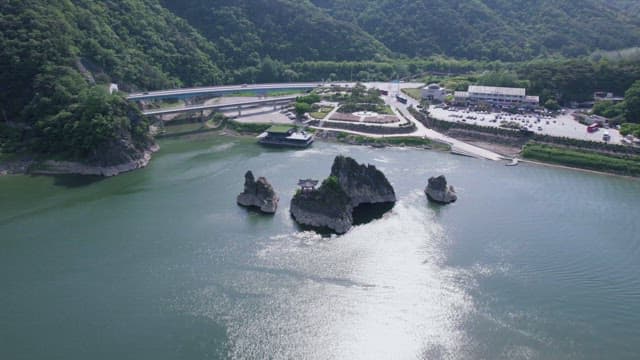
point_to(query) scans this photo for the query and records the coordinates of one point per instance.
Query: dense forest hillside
(514, 30)
(287, 30)
(57, 57)
(492, 29)
(54, 54)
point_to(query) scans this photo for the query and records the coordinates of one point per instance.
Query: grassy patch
(414, 141)
(318, 115)
(321, 113)
(406, 141)
(393, 141)
(414, 93)
(625, 165)
(385, 110)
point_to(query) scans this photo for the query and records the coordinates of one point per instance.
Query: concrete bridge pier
(160, 119)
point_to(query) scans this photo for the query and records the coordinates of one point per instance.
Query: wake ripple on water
(222, 147)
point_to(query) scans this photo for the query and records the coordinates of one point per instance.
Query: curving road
(457, 146)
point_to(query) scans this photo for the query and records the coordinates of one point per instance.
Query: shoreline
(28, 166)
(24, 166)
(560, 166)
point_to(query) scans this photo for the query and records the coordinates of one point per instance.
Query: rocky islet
(438, 191)
(349, 185)
(258, 194)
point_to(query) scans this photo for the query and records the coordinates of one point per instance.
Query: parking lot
(562, 125)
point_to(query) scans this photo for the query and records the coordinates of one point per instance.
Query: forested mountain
(53, 51)
(57, 56)
(492, 29)
(509, 30)
(286, 30)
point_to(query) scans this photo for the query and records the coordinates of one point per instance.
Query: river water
(531, 263)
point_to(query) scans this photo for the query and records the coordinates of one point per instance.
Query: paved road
(400, 109)
(457, 146)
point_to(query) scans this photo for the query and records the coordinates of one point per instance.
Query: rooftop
(307, 183)
(492, 90)
(433, 87)
(299, 136)
(282, 129)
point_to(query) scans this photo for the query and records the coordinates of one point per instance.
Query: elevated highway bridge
(279, 100)
(258, 89)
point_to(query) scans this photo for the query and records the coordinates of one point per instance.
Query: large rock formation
(363, 183)
(258, 194)
(349, 185)
(326, 207)
(438, 191)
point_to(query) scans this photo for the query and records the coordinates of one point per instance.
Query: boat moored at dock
(286, 136)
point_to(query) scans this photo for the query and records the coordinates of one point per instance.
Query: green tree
(552, 105)
(630, 129)
(632, 103)
(309, 99)
(302, 108)
(608, 109)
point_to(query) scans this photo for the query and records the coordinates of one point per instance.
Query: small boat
(513, 162)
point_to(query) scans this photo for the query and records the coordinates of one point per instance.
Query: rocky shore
(327, 207)
(438, 191)
(138, 160)
(364, 184)
(349, 185)
(258, 194)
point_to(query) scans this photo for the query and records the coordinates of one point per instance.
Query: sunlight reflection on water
(380, 291)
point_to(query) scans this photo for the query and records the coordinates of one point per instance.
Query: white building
(502, 96)
(433, 92)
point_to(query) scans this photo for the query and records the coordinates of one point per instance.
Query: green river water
(530, 263)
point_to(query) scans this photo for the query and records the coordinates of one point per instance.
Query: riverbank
(628, 165)
(535, 153)
(36, 166)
